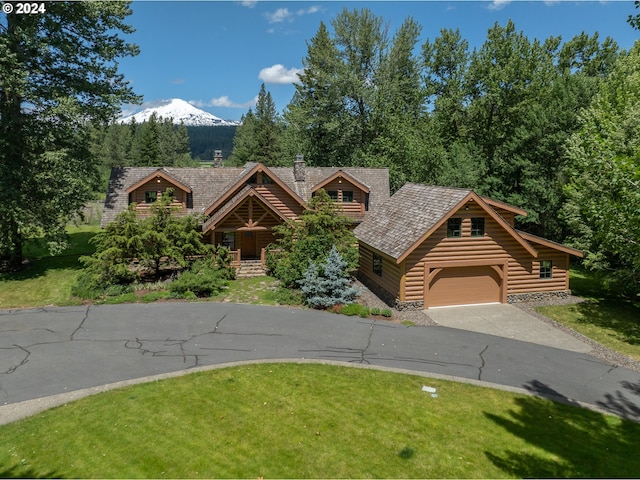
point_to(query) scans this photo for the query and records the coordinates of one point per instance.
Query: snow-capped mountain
(179, 111)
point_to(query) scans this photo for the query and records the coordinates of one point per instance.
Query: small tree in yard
(161, 244)
(329, 285)
(307, 240)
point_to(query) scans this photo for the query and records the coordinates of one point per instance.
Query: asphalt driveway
(60, 351)
(507, 321)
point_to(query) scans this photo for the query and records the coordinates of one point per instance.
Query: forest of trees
(503, 119)
(157, 142)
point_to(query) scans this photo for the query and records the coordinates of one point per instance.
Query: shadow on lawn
(39, 260)
(19, 472)
(617, 315)
(577, 442)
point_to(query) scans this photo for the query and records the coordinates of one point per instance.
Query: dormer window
(333, 194)
(477, 227)
(150, 196)
(347, 196)
(454, 228)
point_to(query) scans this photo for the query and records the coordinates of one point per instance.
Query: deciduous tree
(603, 208)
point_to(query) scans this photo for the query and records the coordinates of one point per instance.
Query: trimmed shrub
(386, 312)
(355, 309)
(203, 280)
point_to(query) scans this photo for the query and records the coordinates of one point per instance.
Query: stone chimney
(217, 158)
(298, 168)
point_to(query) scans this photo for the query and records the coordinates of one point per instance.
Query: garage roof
(413, 212)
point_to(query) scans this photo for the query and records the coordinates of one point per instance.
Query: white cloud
(249, 3)
(223, 101)
(279, 15)
(498, 4)
(279, 74)
(284, 14)
(309, 11)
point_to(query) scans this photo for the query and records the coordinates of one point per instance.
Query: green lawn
(613, 322)
(47, 280)
(312, 421)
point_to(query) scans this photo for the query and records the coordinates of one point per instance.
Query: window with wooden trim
(150, 196)
(229, 240)
(477, 227)
(546, 269)
(377, 264)
(347, 196)
(333, 194)
(454, 228)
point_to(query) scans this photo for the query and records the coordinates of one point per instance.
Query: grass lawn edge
(17, 411)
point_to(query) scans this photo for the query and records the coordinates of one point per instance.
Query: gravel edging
(420, 318)
(368, 298)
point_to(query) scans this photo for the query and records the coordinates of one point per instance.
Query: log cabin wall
(158, 186)
(495, 247)
(354, 208)
(279, 198)
(389, 279)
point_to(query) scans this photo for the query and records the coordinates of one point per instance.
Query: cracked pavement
(53, 350)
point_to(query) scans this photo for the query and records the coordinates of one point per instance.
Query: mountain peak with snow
(181, 112)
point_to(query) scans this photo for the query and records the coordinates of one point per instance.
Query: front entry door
(248, 245)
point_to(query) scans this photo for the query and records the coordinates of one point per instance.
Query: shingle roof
(208, 184)
(407, 216)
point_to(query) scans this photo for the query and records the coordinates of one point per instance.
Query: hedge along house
(241, 205)
(432, 246)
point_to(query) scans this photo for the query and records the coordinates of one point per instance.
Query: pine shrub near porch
(310, 239)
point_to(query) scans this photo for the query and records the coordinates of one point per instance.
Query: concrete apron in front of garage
(504, 320)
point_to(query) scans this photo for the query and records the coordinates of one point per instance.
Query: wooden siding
(276, 196)
(508, 216)
(138, 195)
(264, 239)
(391, 276)
(354, 209)
(496, 247)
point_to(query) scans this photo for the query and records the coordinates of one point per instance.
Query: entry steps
(250, 269)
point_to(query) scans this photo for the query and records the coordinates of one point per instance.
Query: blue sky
(216, 54)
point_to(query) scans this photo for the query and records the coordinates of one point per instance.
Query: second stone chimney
(217, 158)
(298, 168)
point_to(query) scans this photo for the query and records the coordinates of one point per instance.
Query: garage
(463, 286)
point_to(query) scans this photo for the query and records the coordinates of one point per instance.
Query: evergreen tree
(315, 118)
(398, 118)
(58, 72)
(259, 137)
(329, 285)
(150, 150)
(158, 241)
(245, 141)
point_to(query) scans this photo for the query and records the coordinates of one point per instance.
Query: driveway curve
(58, 350)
